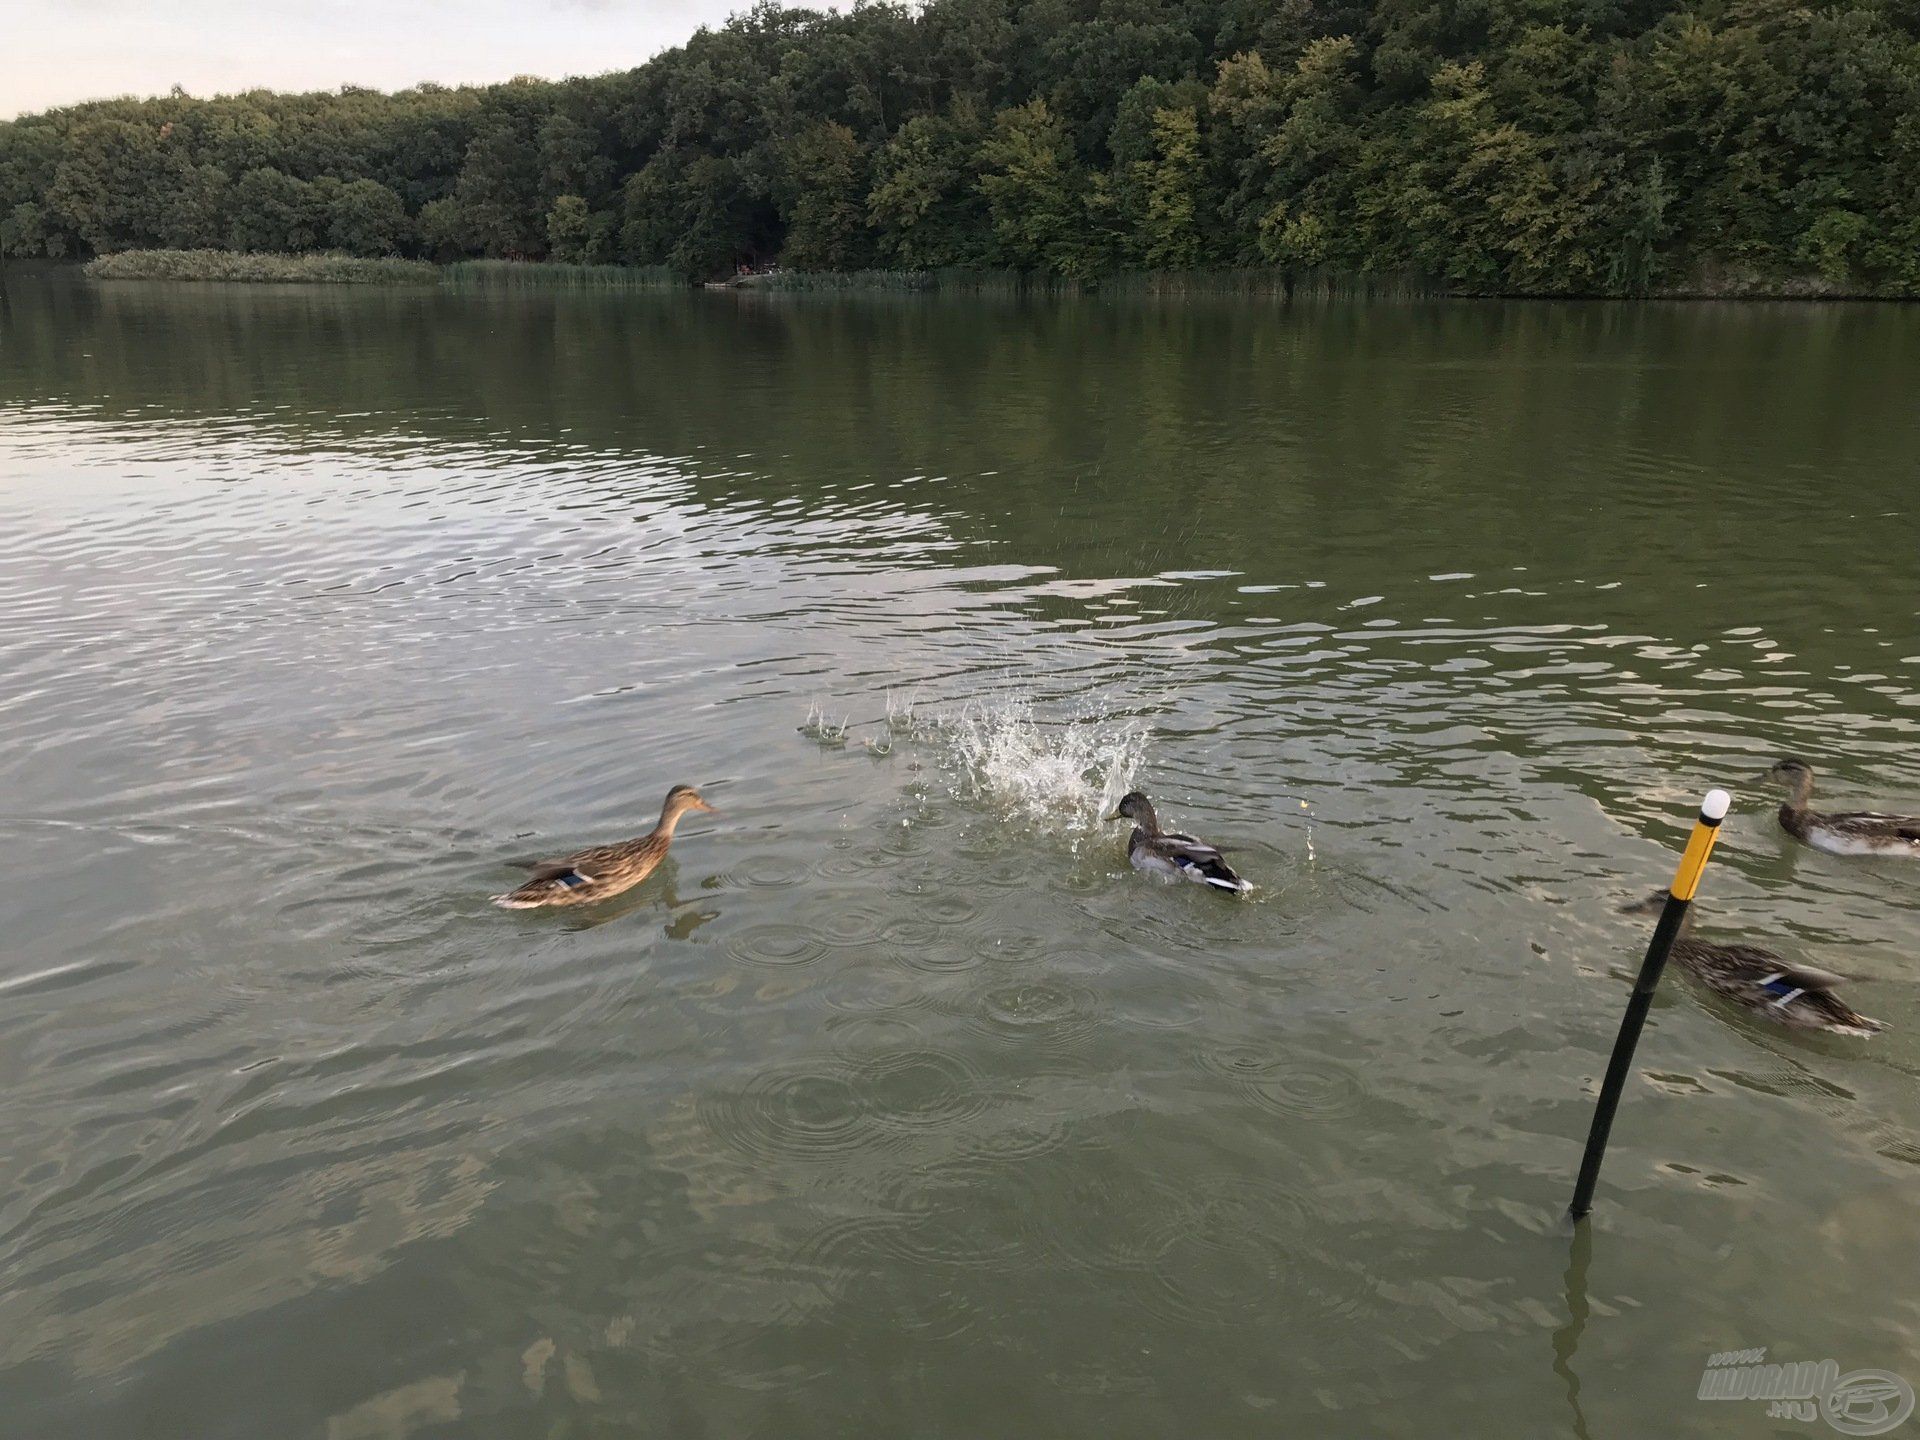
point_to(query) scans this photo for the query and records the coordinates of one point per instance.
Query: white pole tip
(1714, 807)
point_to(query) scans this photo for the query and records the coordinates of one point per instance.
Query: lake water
(896, 1104)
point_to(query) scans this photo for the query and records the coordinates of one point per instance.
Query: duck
(603, 871)
(1169, 853)
(1757, 980)
(1857, 832)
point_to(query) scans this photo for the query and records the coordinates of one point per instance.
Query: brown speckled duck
(1847, 832)
(606, 870)
(1761, 982)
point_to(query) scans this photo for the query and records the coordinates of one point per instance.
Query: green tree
(571, 157)
(647, 209)
(498, 191)
(1309, 162)
(442, 228)
(1174, 180)
(1560, 146)
(926, 205)
(273, 211)
(703, 216)
(827, 175)
(1160, 184)
(23, 232)
(569, 230)
(366, 218)
(1036, 193)
(193, 215)
(110, 183)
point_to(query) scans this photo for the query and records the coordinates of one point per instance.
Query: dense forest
(1547, 146)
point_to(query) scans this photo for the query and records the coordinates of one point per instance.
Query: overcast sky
(54, 52)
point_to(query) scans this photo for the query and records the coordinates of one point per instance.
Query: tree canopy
(1549, 146)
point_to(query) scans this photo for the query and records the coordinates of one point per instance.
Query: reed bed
(1263, 282)
(551, 275)
(331, 267)
(954, 281)
(806, 282)
(319, 267)
(480, 275)
(1267, 282)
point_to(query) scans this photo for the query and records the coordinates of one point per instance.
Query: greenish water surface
(895, 1104)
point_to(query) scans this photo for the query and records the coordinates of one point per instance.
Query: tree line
(1544, 146)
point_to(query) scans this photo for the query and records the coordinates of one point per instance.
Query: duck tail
(1222, 876)
(1843, 1019)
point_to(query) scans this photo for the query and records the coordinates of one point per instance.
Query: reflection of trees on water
(1387, 441)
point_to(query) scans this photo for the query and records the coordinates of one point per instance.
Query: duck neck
(670, 815)
(1148, 822)
(1801, 792)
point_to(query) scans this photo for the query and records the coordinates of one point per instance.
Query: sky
(56, 52)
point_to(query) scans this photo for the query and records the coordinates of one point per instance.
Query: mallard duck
(1857, 832)
(1760, 981)
(1151, 848)
(604, 871)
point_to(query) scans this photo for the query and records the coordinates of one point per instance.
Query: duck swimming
(606, 870)
(1168, 853)
(1760, 981)
(1857, 832)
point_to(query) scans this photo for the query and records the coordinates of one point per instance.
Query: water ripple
(1286, 1083)
(1059, 1015)
(776, 945)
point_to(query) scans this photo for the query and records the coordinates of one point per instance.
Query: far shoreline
(333, 268)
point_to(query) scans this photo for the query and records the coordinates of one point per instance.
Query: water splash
(829, 733)
(900, 711)
(1066, 775)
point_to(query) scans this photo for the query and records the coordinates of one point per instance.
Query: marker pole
(1686, 880)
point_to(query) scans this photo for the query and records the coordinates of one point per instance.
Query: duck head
(1655, 904)
(1650, 904)
(1136, 807)
(1796, 775)
(680, 800)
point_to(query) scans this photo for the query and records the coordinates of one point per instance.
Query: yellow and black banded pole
(1686, 880)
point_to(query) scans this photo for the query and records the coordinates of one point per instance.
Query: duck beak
(1116, 816)
(702, 805)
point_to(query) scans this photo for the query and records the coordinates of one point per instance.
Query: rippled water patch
(895, 1100)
